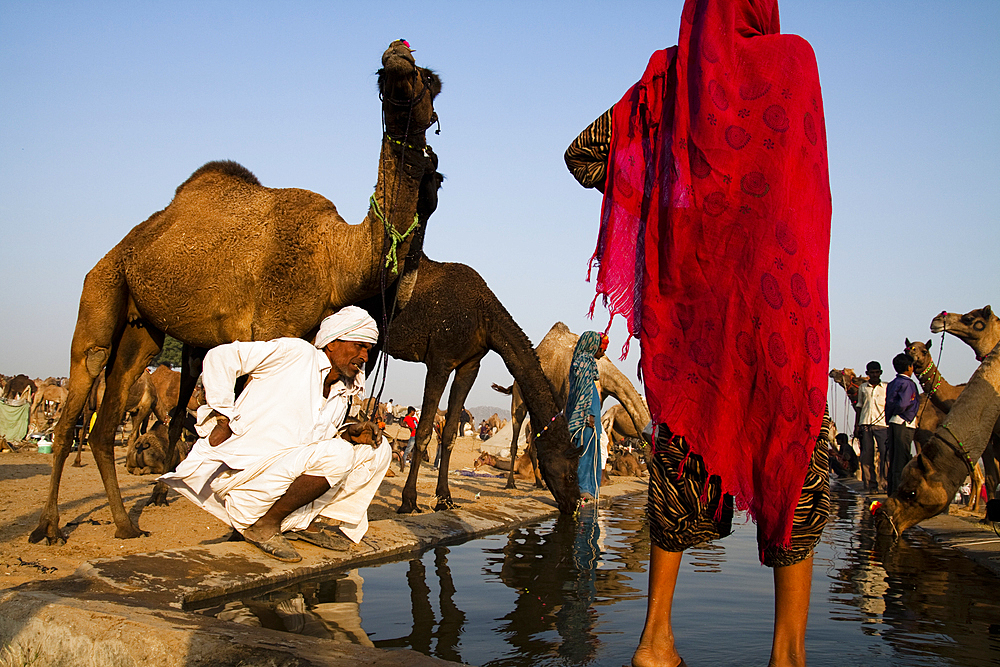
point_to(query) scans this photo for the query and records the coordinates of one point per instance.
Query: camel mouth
(937, 327)
(884, 523)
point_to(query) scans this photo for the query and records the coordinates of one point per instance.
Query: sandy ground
(86, 519)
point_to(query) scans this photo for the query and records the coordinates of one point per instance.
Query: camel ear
(987, 311)
(929, 343)
(906, 342)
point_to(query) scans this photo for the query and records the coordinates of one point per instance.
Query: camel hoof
(77, 464)
(445, 504)
(510, 484)
(407, 508)
(158, 497)
(54, 537)
(130, 533)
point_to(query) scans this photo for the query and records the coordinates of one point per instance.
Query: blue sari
(584, 400)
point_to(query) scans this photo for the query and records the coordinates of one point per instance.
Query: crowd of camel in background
(229, 259)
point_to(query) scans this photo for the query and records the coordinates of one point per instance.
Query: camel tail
(503, 390)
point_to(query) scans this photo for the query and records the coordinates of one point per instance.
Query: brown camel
(617, 423)
(228, 260)
(148, 454)
(20, 387)
(931, 478)
(46, 406)
(556, 353)
(447, 318)
(849, 382)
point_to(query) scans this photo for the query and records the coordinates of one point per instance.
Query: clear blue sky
(107, 107)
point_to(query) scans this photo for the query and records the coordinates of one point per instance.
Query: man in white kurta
(272, 457)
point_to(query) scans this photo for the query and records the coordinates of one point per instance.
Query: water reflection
(572, 592)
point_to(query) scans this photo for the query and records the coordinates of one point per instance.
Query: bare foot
(653, 656)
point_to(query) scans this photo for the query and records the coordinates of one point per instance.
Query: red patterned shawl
(714, 245)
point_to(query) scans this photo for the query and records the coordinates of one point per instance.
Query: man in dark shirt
(901, 413)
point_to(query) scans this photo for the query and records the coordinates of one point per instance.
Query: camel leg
(517, 418)
(191, 363)
(465, 377)
(434, 385)
(533, 455)
(138, 345)
(79, 388)
(102, 304)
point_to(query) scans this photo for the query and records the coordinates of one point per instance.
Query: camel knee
(96, 360)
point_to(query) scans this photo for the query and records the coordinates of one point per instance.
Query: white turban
(349, 323)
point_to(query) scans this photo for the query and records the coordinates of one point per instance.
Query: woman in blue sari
(584, 410)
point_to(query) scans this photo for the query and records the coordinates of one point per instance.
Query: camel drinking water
(229, 259)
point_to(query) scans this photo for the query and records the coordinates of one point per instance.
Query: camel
(617, 423)
(46, 405)
(496, 423)
(979, 329)
(147, 455)
(849, 382)
(931, 478)
(522, 470)
(229, 259)
(447, 318)
(20, 387)
(556, 353)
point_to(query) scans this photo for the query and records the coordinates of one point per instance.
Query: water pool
(573, 592)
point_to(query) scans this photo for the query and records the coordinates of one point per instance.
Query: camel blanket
(14, 420)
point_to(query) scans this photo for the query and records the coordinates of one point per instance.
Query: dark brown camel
(448, 319)
(228, 260)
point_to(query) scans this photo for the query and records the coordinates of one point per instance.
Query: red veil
(714, 245)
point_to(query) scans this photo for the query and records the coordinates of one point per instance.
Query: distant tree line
(171, 352)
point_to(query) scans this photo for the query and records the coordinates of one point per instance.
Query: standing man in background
(871, 429)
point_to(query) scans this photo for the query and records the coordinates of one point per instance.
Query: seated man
(275, 459)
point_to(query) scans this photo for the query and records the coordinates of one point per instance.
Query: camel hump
(224, 167)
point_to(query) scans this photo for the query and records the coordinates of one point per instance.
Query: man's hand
(362, 433)
(590, 421)
(220, 433)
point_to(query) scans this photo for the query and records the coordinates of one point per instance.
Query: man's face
(874, 377)
(347, 357)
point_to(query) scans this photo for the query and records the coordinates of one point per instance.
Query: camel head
(979, 329)
(558, 466)
(846, 378)
(407, 93)
(925, 490)
(920, 353)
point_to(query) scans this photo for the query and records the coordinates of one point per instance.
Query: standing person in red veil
(714, 246)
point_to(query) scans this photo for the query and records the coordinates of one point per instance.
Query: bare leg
(302, 491)
(791, 611)
(656, 646)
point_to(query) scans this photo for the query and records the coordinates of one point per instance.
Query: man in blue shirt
(901, 412)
